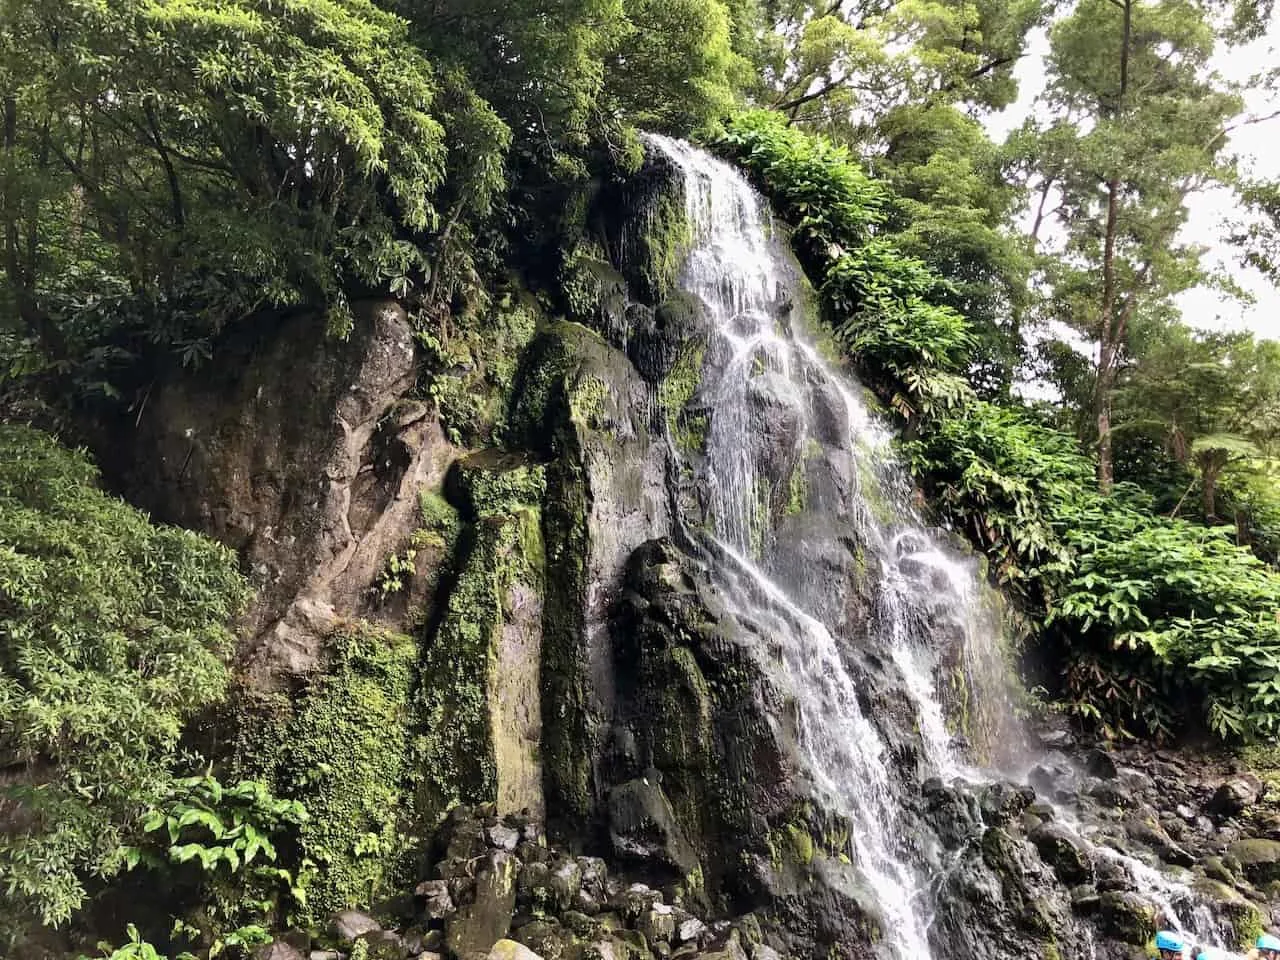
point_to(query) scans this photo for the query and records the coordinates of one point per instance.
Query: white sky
(1259, 147)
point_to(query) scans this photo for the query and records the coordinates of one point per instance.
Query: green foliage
(113, 632)
(878, 301)
(135, 949)
(340, 750)
(172, 167)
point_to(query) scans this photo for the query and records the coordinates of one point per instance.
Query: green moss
(439, 521)
(797, 491)
(454, 749)
(587, 398)
(340, 747)
(675, 392)
(473, 365)
(801, 843)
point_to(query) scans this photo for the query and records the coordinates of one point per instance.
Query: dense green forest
(175, 171)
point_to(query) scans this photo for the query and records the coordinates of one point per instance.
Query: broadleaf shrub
(113, 632)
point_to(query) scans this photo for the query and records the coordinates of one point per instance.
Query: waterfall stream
(771, 399)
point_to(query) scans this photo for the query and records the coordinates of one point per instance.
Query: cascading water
(770, 396)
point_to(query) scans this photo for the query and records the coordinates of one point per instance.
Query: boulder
(1127, 917)
(1002, 803)
(278, 950)
(478, 925)
(436, 901)
(1101, 764)
(642, 827)
(1064, 851)
(1259, 859)
(511, 950)
(503, 837)
(1234, 796)
(350, 925)
(658, 924)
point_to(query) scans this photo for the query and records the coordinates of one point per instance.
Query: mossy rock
(1259, 859)
(1247, 919)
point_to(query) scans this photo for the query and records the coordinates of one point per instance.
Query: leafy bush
(1152, 623)
(113, 631)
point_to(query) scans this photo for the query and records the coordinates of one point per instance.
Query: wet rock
(382, 945)
(1101, 764)
(642, 826)
(1234, 797)
(1109, 792)
(565, 883)
(635, 901)
(593, 888)
(691, 930)
(348, 925)
(1002, 803)
(1112, 874)
(1259, 859)
(278, 950)
(549, 940)
(477, 925)
(436, 901)
(954, 813)
(1064, 851)
(533, 887)
(511, 950)
(1056, 739)
(1127, 917)
(658, 923)
(503, 837)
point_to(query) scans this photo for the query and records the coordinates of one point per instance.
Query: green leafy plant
(113, 632)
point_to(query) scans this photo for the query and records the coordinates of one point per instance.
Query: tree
(1211, 399)
(155, 186)
(1139, 124)
(840, 67)
(113, 632)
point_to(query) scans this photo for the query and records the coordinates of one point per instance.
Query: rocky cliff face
(486, 585)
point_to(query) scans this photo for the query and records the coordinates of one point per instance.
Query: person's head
(1268, 947)
(1169, 945)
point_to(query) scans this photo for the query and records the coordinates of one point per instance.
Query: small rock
(511, 950)
(278, 950)
(1186, 813)
(429, 955)
(503, 837)
(1101, 764)
(691, 930)
(1063, 850)
(1057, 740)
(349, 925)
(658, 923)
(1234, 797)
(324, 955)
(1205, 826)
(437, 904)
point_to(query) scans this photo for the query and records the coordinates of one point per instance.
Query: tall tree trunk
(1110, 333)
(1209, 492)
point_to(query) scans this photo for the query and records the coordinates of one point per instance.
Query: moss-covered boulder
(1259, 859)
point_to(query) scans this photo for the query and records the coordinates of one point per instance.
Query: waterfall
(771, 399)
